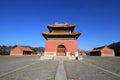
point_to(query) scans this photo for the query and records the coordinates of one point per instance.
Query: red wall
(51, 45)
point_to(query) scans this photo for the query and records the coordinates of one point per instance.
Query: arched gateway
(61, 50)
(61, 40)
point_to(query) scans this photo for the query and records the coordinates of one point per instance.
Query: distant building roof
(23, 48)
(98, 48)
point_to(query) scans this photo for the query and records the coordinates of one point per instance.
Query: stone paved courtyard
(32, 68)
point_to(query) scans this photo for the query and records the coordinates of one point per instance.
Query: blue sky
(22, 21)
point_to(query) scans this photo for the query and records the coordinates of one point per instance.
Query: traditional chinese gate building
(61, 40)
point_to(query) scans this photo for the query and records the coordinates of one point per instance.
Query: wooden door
(61, 50)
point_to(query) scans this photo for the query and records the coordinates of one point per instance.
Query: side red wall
(16, 51)
(107, 52)
(51, 45)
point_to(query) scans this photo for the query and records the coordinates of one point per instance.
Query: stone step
(61, 58)
(46, 57)
(57, 58)
(72, 58)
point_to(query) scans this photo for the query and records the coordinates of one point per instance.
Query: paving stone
(81, 70)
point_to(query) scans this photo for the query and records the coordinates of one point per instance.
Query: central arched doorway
(61, 50)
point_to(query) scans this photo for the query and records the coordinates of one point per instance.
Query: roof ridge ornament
(65, 24)
(56, 24)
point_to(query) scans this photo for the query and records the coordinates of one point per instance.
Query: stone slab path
(61, 74)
